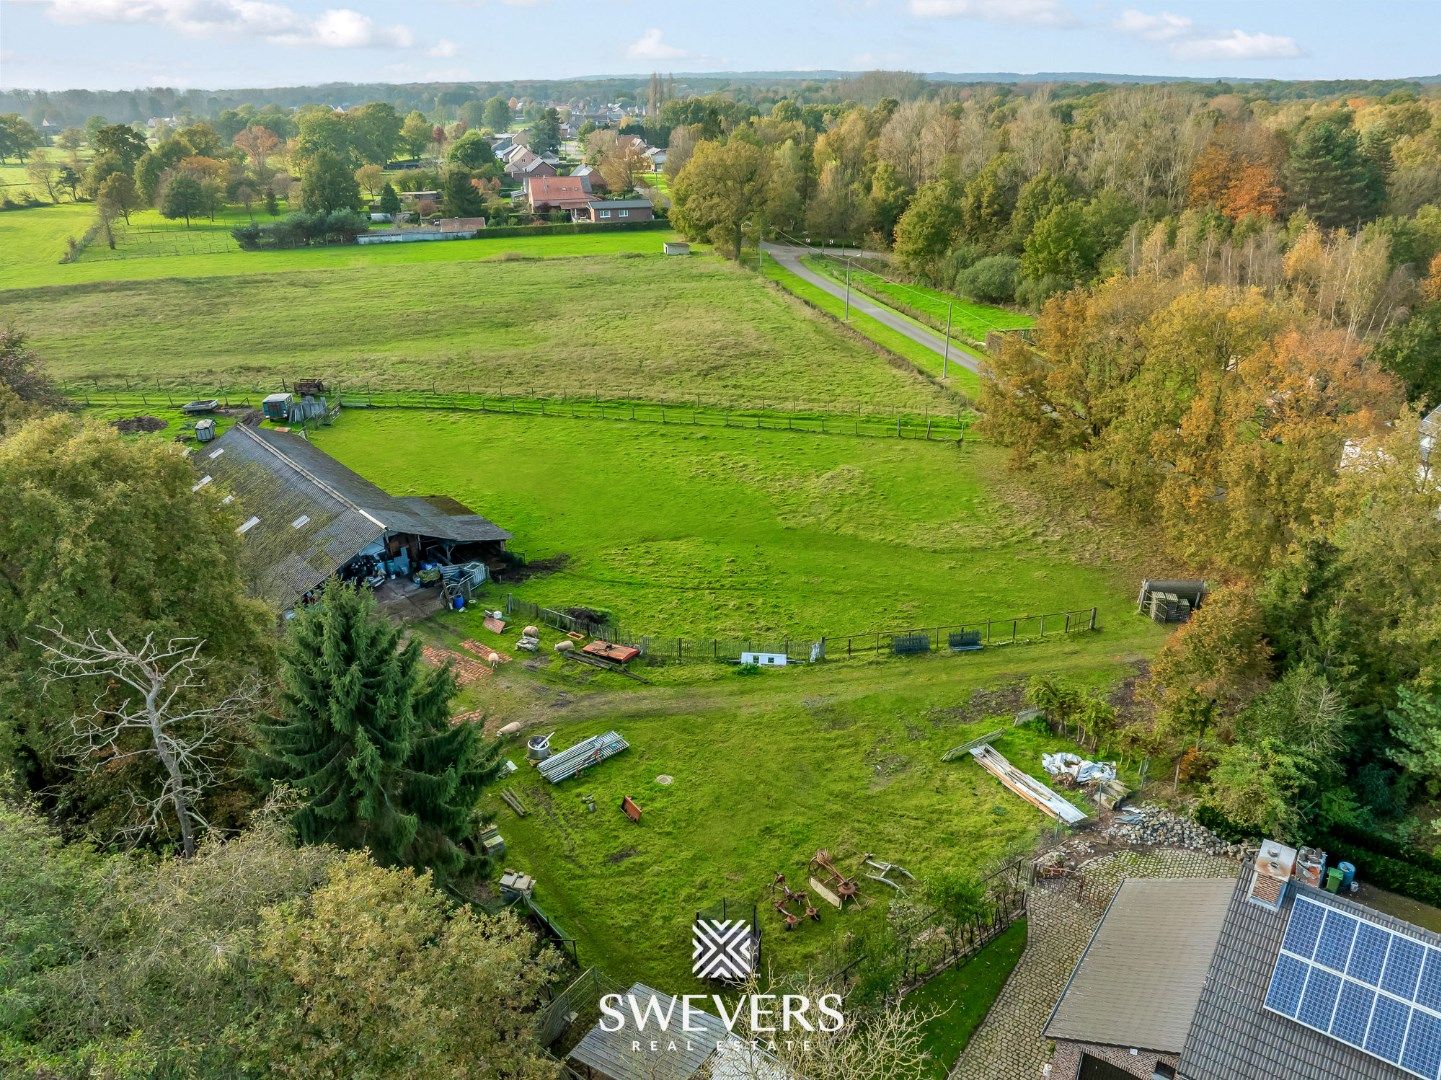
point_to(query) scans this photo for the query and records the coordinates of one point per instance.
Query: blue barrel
(459, 603)
(1348, 875)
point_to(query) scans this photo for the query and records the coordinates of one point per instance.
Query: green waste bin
(1333, 879)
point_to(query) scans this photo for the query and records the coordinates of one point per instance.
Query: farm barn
(306, 518)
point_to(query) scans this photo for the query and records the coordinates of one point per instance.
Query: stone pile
(1150, 826)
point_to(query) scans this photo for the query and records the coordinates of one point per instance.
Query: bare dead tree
(158, 713)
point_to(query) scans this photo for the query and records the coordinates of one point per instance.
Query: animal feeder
(537, 747)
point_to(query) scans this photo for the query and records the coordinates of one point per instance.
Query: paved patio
(1063, 914)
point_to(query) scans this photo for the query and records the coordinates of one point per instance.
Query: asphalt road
(790, 258)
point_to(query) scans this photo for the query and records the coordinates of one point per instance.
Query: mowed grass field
(643, 326)
(969, 319)
(722, 532)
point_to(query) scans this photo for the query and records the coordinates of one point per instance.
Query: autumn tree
(415, 133)
(131, 549)
(41, 173)
(377, 975)
(119, 195)
(720, 192)
(258, 144)
(371, 178)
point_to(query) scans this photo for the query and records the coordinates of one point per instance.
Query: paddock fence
(953, 637)
(693, 411)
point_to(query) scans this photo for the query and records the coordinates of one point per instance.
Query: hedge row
(302, 230)
(1379, 860)
(1384, 845)
(571, 228)
(1386, 872)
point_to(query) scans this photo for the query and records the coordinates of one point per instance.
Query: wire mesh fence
(763, 650)
(695, 411)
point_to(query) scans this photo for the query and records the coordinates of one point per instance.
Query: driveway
(790, 258)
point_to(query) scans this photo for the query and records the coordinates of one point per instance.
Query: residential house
(306, 518)
(547, 193)
(590, 178)
(657, 158)
(536, 168)
(614, 211)
(1269, 976)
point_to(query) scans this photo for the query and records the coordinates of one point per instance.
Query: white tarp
(1078, 768)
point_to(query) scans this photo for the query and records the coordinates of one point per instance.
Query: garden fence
(935, 941)
(694, 411)
(799, 649)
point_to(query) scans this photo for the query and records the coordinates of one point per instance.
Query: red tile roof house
(547, 193)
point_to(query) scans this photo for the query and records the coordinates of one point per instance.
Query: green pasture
(702, 532)
(609, 325)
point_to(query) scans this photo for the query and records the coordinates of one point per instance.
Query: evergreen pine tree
(365, 734)
(389, 200)
(1333, 177)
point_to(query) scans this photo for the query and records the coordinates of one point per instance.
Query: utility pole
(946, 356)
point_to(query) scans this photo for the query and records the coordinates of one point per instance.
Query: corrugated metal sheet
(680, 1056)
(313, 513)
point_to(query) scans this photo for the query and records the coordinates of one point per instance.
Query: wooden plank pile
(1027, 787)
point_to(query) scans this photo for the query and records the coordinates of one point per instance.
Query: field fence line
(947, 638)
(695, 410)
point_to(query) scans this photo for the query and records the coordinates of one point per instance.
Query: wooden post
(1093, 619)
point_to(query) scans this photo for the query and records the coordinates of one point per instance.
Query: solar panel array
(1362, 984)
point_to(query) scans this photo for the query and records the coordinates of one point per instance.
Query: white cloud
(335, 28)
(1163, 27)
(652, 46)
(1187, 41)
(1238, 45)
(1027, 12)
(444, 48)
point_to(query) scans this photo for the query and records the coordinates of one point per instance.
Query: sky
(118, 44)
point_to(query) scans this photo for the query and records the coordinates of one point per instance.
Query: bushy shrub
(992, 279)
(302, 230)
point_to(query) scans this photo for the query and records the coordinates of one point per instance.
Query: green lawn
(612, 325)
(969, 320)
(680, 531)
(923, 358)
(962, 995)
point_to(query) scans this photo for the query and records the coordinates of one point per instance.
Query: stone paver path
(1009, 1044)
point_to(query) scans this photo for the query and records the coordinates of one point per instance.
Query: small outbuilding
(676, 247)
(677, 1055)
